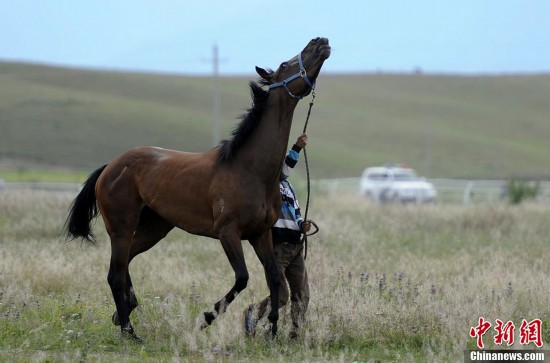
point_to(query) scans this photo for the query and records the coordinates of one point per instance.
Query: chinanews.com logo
(529, 333)
(493, 356)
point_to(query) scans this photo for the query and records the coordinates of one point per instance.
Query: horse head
(297, 75)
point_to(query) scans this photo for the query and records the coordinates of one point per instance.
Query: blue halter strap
(302, 74)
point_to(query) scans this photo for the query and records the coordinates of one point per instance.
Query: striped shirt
(289, 225)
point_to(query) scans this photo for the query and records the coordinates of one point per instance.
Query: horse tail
(83, 210)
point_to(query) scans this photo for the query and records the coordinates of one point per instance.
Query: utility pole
(427, 145)
(215, 95)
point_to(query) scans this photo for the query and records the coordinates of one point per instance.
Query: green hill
(444, 126)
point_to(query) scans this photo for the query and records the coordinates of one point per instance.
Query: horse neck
(269, 145)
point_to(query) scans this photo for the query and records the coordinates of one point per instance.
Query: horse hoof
(128, 332)
(293, 335)
(133, 337)
(207, 319)
(114, 319)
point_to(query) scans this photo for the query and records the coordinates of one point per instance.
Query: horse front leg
(263, 246)
(232, 245)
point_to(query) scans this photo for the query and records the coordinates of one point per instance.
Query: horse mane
(249, 122)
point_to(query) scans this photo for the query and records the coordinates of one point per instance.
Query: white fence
(448, 190)
(42, 186)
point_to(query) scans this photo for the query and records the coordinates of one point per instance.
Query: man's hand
(301, 141)
(306, 226)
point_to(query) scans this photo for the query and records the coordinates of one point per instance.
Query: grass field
(392, 283)
(444, 126)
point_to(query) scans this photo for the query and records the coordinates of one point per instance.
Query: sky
(178, 36)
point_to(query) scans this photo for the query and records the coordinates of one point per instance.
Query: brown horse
(230, 192)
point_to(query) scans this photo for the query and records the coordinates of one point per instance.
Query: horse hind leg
(121, 216)
(150, 230)
(117, 278)
(130, 298)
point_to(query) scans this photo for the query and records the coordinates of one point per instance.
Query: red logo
(479, 330)
(529, 332)
(505, 332)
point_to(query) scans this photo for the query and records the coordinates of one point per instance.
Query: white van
(396, 183)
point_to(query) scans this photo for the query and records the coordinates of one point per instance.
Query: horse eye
(283, 65)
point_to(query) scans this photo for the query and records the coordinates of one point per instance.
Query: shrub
(518, 190)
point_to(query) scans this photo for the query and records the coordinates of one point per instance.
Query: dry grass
(388, 283)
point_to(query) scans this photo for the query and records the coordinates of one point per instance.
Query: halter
(302, 74)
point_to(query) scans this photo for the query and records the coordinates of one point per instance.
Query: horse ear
(264, 73)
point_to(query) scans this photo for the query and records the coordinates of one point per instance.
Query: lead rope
(304, 238)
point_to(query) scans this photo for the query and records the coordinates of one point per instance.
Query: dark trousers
(294, 283)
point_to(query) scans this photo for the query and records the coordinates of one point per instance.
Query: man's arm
(293, 155)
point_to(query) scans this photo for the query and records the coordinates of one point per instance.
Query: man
(289, 256)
